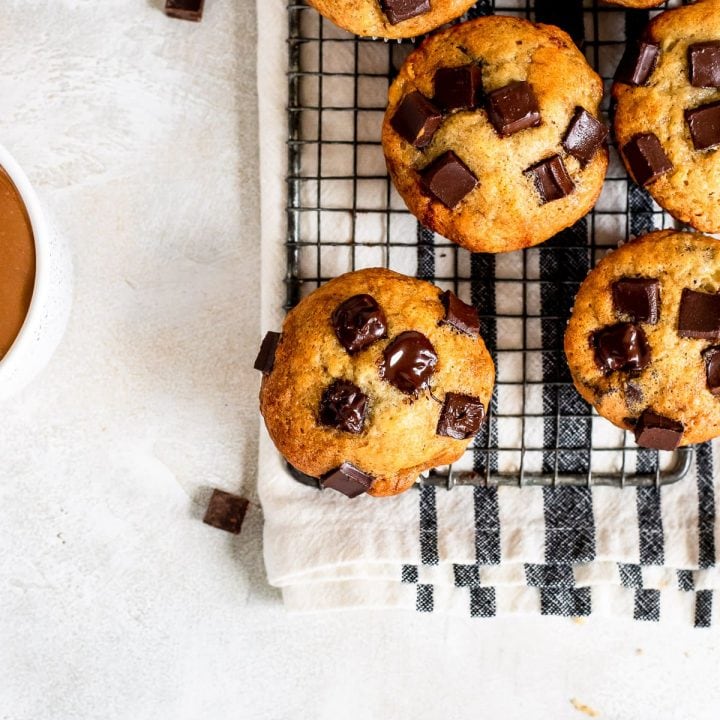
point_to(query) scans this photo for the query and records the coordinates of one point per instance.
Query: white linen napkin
(645, 553)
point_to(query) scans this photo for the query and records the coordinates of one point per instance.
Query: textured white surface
(115, 601)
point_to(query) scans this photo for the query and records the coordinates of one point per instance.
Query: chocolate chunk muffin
(391, 18)
(375, 378)
(643, 342)
(492, 133)
(667, 122)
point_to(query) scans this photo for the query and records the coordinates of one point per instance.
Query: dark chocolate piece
(185, 9)
(458, 87)
(343, 406)
(513, 108)
(699, 315)
(633, 394)
(448, 179)
(226, 511)
(359, 322)
(399, 10)
(409, 362)
(459, 314)
(461, 416)
(622, 347)
(416, 119)
(584, 135)
(265, 359)
(638, 62)
(638, 299)
(711, 356)
(704, 124)
(704, 62)
(551, 179)
(658, 432)
(348, 480)
(646, 158)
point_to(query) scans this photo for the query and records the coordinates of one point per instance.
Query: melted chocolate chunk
(658, 432)
(584, 136)
(699, 315)
(551, 179)
(622, 347)
(348, 480)
(513, 108)
(637, 63)
(704, 62)
(638, 299)
(409, 362)
(460, 315)
(265, 359)
(646, 158)
(711, 356)
(185, 9)
(399, 10)
(416, 120)
(343, 406)
(461, 416)
(359, 322)
(448, 179)
(704, 124)
(226, 511)
(458, 87)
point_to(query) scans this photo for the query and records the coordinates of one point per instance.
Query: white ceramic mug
(52, 292)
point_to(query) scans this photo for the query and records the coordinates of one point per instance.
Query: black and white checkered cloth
(645, 552)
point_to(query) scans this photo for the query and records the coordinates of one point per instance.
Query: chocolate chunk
(185, 9)
(704, 62)
(359, 322)
(646, 158)
(658, 432)
(226, 511)
(699, 315)
(584, 135)
(448, 179)
(399, 10)
(343, 406)
(266, 357)
(348, 480)
(621, 347)
(458, 87)
(551, 179)
(461, 416)
(638, 62)
(409, 362)
(704, 124)
(416, 119)
(638, 299)
(513, 108)
(460, 315)
(633, 394)
(711, 356)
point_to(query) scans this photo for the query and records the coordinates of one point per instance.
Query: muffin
(634, 3)
(375, 378)
(492, 135)
(391, 18)
(667, 122)
(643, 341)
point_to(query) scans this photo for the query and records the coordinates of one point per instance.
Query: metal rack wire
(344, 214)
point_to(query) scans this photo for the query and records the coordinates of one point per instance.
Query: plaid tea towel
(642, 552)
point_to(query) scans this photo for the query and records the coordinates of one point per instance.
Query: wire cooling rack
(344, 214)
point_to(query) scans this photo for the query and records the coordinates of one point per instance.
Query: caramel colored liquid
(17, 263)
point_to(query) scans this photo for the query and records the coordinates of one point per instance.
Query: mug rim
(39, 228)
